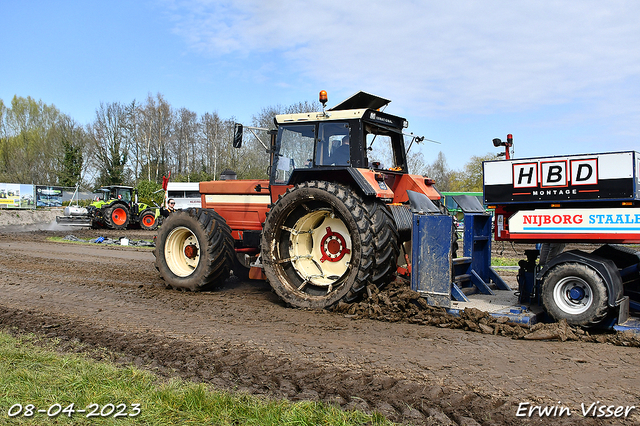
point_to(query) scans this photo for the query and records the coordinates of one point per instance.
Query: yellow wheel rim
(320, 248)
(182, 251)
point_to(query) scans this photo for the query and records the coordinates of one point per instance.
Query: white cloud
(437, 57)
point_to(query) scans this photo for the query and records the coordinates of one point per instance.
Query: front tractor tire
(322, 243)
(194, 250)
(148, 220)
(576, 293)
(117, 217)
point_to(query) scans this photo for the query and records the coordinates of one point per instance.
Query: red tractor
(329, 220)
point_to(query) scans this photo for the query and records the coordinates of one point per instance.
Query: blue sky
(562, 76)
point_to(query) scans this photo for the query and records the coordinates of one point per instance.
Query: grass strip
(93, 243)
(34, 378)
(504, 261)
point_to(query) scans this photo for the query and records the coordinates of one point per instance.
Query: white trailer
(185, 194)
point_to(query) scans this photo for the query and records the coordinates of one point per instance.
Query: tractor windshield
(124, 194)
(333, 147)
(294, 149)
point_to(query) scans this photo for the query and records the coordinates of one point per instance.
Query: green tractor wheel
(148, 220)
(117, 217)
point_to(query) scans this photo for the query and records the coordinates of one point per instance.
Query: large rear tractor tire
(576, 293)
(194, 250)
(117, 217)
(148, 220)
(322, 243)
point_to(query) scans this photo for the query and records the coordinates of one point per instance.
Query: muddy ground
(388, 353)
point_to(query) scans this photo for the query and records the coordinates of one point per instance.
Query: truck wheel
(117, 217)
(194, 250)
(576, 293)
(324, 243)
(148, 220)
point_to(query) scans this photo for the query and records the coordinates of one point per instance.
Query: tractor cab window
(294, 149)
(333, 146)
(124, 195)
(385, 149)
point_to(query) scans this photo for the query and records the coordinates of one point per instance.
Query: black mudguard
(606, 268)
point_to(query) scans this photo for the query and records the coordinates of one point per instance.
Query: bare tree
(186, 141)
(131, 124)
(440, 172)
(155, 130)
(211, 126)
(110, 143)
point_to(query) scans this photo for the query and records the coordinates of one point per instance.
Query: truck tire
(322, 242)
(116, 217)
(148, 220)
(194, 250)
(576, 293)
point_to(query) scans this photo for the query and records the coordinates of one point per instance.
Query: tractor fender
(416, 183)
(369, 183)
(110, 203)
(606, 268)
(113, 203)
(382, 184)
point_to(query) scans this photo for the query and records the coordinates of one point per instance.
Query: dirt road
(243, 338)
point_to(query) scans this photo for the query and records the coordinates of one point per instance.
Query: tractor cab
(353, 134)
(124, 193)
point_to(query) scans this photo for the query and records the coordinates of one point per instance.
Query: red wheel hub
(333, 246)
(148, 220)
(191, 251)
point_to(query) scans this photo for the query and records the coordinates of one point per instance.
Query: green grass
(30, 374)
(62, 240)
(503, 261)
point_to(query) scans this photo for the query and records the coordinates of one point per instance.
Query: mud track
(110, 302)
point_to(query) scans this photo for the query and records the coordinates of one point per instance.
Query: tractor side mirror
(237, 135)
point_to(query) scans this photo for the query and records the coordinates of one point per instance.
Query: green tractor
(116, 207)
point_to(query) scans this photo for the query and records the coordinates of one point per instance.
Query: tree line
(138, 143)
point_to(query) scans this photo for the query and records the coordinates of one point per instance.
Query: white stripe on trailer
(237, 199)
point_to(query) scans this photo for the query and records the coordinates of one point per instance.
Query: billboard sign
(49, 196)
(606, 176)
(10, 195)
(16, 196)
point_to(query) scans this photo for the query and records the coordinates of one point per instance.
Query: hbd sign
(599, 177)
(549, 174)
